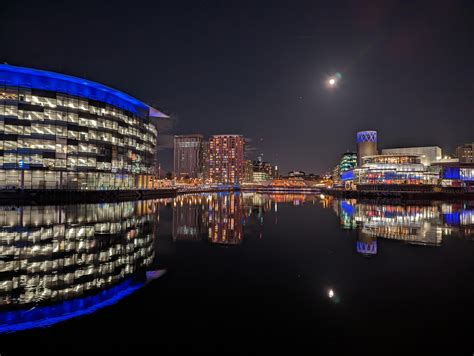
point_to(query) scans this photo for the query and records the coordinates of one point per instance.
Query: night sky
(258, 68)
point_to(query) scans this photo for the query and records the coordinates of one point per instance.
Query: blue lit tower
(366, 145)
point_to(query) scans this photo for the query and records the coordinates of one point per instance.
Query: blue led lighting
(467, 174)
(347, 175)
(347, 208)
(391, 175)
(366, 136)
(451, 173)
(61, 83)
(453, 218)
(45, 316)
(366, 248)
(467, 216)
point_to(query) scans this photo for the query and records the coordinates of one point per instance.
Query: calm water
(238, 272)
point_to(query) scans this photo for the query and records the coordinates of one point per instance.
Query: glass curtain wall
(52, 140)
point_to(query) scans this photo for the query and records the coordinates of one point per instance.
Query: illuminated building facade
(336, 175)
(56, 253)
(188, 156)
(226, 158)
(248, 171)
(59, 131)
(456, 173)
(343, 172)
(394, 169)
(296, 174)
(366, 145)
(262, 171)
(465, 153)
(348, 161)
(205, 160)
(260, 176)
(428, 154)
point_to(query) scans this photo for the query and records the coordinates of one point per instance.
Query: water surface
(244, 272)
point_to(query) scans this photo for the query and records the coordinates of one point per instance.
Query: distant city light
(332, 81)
(331, 293)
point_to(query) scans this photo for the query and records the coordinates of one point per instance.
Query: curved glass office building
(63, 132)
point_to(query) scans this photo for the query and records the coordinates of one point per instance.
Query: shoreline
(399, 194)
(64, 196)
(20, 197)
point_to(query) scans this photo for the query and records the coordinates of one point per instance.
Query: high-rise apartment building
(187, 155)
(226, 158)
(205, 160)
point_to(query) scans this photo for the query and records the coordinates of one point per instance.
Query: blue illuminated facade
(465, 174)
(366, 136)
(13, 76)
(348, 175)
(63, 132)
(451, 173)
(452, 218)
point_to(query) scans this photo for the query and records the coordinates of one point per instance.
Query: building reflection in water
(71, 260)
(415, 224)
(220, 218)
(189, 221)
(56, 253)
(217, 217)
(225, 220)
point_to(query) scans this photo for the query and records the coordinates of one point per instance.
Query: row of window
(53, 100)
(23, 161)
(83, 137)
(27, 179)
(25, 117)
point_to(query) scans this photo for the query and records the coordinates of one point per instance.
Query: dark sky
(258, 67)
